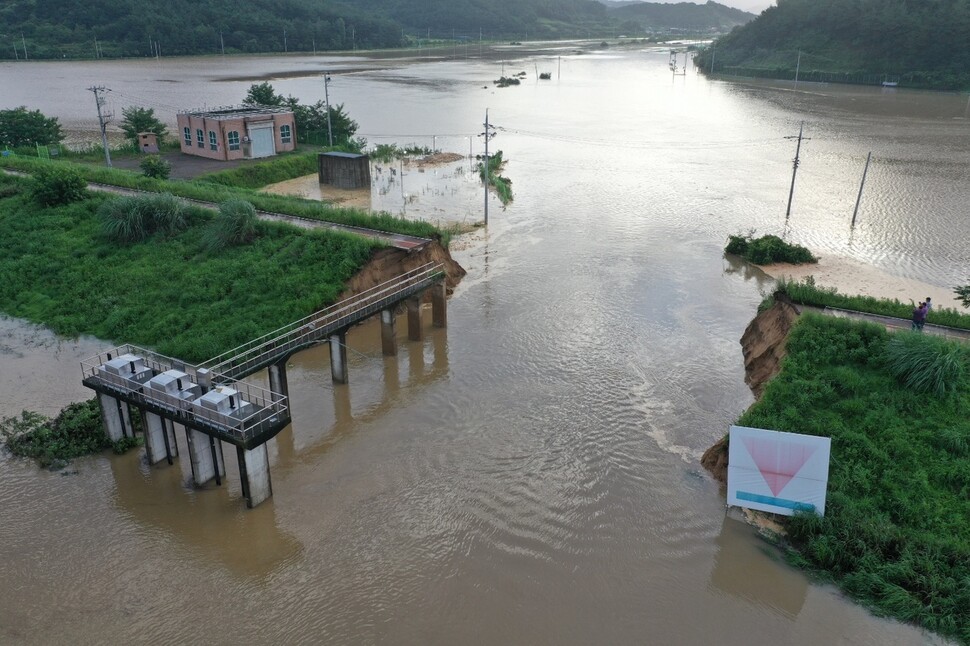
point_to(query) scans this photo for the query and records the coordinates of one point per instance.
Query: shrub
(133, 219)
(924, 363)
(767, 249)
(56, 185)
(77, 430)
(234, 225)
(155, 166)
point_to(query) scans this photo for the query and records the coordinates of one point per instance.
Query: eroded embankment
(763, 345)
(389, 263)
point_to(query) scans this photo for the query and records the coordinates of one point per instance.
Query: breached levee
(763, 345)
(389, 263)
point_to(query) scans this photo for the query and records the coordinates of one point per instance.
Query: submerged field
(896, 533)
(171, 292)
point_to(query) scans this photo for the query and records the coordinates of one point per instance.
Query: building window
(286, 134)
(188, 136)
(233, 138)
(213, 142)
(199, 138)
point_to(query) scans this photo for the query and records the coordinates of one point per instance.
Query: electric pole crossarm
(795, 164)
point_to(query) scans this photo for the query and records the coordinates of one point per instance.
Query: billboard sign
(777, 472)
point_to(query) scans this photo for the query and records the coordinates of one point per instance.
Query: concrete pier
(159, 438)
(439, 305)
(388, 338)
(254, 474)
(116, 417)
(338, 357)
(277, 379)
(414, 319)
(205, 455)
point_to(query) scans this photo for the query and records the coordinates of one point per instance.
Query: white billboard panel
(777, 472)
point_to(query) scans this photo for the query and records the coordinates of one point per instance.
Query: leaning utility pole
(103, 117)
(794, 169)
(798, 66)
(861, 185)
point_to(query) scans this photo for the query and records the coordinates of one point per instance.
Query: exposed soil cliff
(763, 346)
(389, 263)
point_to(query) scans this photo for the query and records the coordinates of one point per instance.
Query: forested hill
(917, 44)
(132, 28)
(682, 15)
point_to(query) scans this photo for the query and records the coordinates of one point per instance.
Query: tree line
(45, 29)
(916, 44)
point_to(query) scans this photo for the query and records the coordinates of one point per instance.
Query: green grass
(806, 292)
(896, 531)
(261, 174)
(171, 292)
(214, 192)
(503, 185)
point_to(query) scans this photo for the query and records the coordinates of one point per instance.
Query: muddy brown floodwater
(530, 474)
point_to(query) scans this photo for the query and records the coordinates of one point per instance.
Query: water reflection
(210, 522)
(744, 569)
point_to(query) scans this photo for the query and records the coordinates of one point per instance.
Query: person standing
(919, 318)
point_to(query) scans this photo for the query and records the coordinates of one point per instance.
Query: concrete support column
(338, 357)
(173, 445)
(254, 474)
(414, 319)
(159, 438)
(388, 339)
(114, 414)
(205, 455)
(277, 380)
(439, 304)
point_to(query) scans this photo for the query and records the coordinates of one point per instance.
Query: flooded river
(531, 474)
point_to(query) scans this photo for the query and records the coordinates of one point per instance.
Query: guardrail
(269, 408)
(269, 348)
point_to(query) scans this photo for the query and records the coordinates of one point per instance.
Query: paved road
(891, 323)
(397, 240)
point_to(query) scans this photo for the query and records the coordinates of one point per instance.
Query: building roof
(237, 111)
(344, 155)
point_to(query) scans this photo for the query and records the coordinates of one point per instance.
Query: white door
(263, 142)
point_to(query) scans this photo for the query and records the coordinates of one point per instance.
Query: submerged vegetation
(503, 185)
(767, 249)
(896, 530)
(77, 430)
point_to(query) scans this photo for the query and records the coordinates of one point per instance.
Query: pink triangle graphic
(778, 461)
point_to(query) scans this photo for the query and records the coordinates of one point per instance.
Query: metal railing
(273, 346)
(268, 408)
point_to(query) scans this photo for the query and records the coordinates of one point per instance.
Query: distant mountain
(685, 16)
(917, 44)
(131, 28)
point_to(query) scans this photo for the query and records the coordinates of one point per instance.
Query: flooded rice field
(530, 474)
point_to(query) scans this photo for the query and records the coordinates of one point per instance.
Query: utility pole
(103, 118)
(794, 169)
(326, 96)
(24, 41)
(798, 66)
(488, 134)
(713, 54)
(859, 199)
(285, 50)
(222, 44)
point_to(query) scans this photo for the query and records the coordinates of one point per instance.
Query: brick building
(243, 132)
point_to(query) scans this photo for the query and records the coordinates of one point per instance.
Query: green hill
(133, 28)
(917, 44)
(687, 16)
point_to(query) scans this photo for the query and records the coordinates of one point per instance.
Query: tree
(141, 120)
(23, 127)
(963, 294)
(263, 94)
